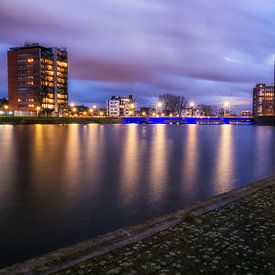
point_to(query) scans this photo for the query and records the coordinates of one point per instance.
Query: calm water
(63, 184)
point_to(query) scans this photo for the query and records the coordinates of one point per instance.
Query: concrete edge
(74, 254)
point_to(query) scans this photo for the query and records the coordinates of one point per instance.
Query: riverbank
(57, 120)
(232, 232)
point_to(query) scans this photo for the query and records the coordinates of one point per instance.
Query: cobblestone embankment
(233, 233)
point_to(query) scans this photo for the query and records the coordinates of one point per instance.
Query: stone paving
(238, 238)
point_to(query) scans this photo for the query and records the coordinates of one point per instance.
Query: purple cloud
(195, 48)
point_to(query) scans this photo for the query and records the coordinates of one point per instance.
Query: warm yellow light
(171, 115)
(132, 105)
(162, 114)
(72, 104)
(30, 60)
(74, 109)
(6, 107)
(85, 113)
(143, 113)
(38, 108)
(91, 110)
(101, 113)
(154, 114)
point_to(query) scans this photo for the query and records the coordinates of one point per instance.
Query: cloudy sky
(207, 51)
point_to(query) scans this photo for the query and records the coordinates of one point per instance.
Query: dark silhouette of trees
(172, 103)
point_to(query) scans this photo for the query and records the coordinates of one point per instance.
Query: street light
(6, 108)
(95, 107)
(37, 110)
(158, 105)
(226, 107)
(192, 104)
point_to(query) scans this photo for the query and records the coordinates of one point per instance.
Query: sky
(207, 51)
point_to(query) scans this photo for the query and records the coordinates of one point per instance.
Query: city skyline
(203, 51)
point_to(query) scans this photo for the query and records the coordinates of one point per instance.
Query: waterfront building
(37, 80)
(263, 100)
(246, 113)
(121, 106)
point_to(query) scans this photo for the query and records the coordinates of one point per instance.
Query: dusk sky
(204, 50)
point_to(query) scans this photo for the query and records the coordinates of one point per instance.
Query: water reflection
(191, 158)
(225, 160)
(158, 163)
(63, 184)
(130, 169)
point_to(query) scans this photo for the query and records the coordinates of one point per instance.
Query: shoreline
(57, 120)
(63, 258)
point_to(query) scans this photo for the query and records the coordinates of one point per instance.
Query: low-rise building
(121, 106)
(263, 100)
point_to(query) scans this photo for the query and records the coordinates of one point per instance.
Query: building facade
(263, 100)
(121, 106)
(37, 80)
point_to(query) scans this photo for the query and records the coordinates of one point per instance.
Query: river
(61, 184)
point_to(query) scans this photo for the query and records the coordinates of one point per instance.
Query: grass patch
(57, 120)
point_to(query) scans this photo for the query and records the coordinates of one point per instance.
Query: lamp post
(6, 108)
(132, 109)
(158, 105)
(91, 111)
(38, 108)
(192, 104)
(225, 108)
(95, 107)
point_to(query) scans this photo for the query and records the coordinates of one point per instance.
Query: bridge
(190, 120)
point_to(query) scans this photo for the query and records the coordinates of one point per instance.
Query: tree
(172, 103)
(207, 110)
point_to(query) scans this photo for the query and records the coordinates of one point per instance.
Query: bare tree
(172, 103)
(207, 110)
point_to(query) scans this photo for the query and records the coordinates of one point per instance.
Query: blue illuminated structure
(190, 120)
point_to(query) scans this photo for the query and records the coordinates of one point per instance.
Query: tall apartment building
(37, 80)
(263, 100)
(121, 106)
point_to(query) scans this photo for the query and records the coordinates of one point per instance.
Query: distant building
(246, 113)
(263, 100)
(121, 106)
(37, 80)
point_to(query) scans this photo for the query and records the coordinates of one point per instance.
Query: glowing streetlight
(95, 107)
(159, 105)
(38, 110)
(143, 114)
(225, 107)
(72, 104)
